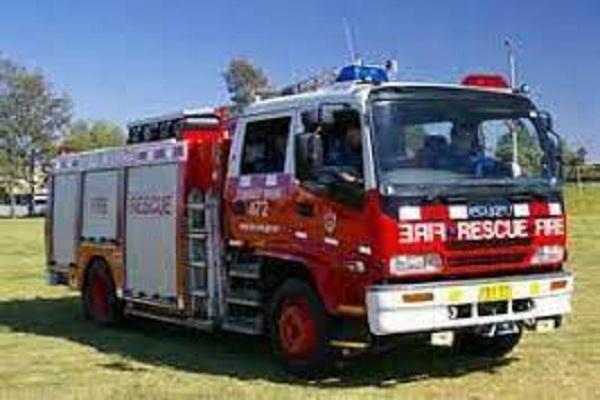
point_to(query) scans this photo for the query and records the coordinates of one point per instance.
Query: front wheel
(497, 346)
(299, 329)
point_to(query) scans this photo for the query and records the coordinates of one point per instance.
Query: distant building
(22, 192)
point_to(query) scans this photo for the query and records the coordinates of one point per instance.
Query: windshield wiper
(510, 182)
(462, 188)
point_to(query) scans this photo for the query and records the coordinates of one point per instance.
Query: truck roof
(349, 92)
(209, 114)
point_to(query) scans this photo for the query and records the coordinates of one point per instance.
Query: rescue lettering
(488, 229)
(99, 206)
(151, 204)
(426, 232)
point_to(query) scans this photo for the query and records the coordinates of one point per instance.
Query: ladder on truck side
(204, 260)
(223, 288)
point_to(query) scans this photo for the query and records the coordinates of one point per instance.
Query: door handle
(305, 209)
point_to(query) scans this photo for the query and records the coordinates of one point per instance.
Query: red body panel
(265, 213)
(207, 152)
(344, 248)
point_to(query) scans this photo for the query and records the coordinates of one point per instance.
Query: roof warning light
(490, 81)
(370, 74)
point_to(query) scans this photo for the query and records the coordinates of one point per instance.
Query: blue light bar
(362, 73)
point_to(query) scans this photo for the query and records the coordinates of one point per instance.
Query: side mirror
(309, 155)
(546, 122)
(311, 120)
(555, 162)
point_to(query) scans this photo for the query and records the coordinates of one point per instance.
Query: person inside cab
(469, 152)
(343, 147)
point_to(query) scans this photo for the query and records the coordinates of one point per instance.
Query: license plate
(495, 293)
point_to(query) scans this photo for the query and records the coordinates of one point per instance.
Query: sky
(125, 59)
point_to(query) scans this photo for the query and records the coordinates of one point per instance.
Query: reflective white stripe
(332, 241)
(364, 250)
(301, 235)
(271, 180)
(409, 213)
(132, 155)
(245, 181)
(457, 212)
(554, 209)
(236, 243)
(521, 210)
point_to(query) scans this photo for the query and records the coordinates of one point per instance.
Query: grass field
(48, 351)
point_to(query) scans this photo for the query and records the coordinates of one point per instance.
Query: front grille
(487, 244)
(486, 259)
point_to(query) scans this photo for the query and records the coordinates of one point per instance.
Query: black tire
(472, 344)
(318, 356)
(99, 299)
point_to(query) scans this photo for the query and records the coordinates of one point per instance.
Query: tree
(581, 153)
(32, 117)
(572, 160)
(85, 135)
(529, 153)
(244, 81)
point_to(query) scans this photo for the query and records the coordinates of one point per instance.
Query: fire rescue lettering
(99, 206)
(151, 204)
(423, 232)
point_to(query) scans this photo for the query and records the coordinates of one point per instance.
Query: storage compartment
(151, 229)
(65, 211)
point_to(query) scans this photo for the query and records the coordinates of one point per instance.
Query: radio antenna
(512, 63)
(349, 40)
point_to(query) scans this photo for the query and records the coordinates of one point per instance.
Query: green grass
(48, 351)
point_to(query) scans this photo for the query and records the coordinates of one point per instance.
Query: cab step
(247, 270)
(244, 297)
(200, 324)
(250, 325)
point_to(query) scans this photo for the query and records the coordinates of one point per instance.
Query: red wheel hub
(297, 328)
(99, 298)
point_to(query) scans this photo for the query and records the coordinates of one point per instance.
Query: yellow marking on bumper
(535, 288)
(455, 295)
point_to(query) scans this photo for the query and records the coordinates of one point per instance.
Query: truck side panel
(100, 206)
(65, 215)
(151, 230)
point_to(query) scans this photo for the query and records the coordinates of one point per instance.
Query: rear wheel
(299, 329)
(100, 302)
(497, 346)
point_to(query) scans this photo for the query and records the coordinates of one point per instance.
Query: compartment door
(151, 231)
(100, 205)
(65, 214)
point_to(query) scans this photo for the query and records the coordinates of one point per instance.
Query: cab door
(329, 201)
(330, 212)
(259, 183)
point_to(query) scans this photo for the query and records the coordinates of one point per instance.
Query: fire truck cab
(333, 219)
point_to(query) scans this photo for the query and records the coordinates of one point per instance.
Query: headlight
(415, 263)
(548, 255)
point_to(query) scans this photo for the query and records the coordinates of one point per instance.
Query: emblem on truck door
(329, 222)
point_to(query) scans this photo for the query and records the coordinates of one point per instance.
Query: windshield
(458, 141)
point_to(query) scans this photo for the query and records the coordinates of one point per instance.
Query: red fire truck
(334, 219)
